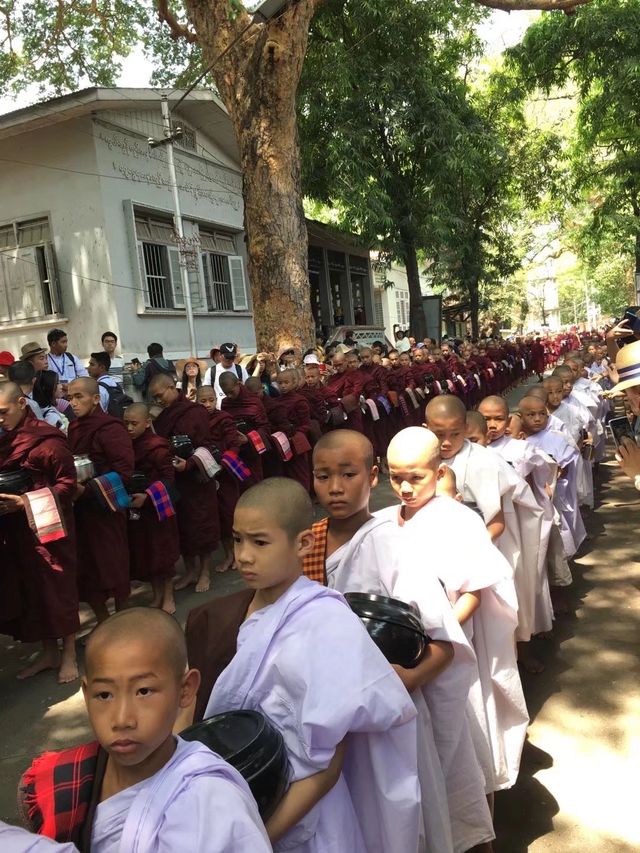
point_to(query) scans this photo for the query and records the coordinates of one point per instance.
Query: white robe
(539, 470)
(195, 802)
(577, 418)
(560, 447)
(485, 478)
(455, 542)
(378, 560)
(307, 663)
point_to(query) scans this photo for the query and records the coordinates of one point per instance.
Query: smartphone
(631, 316)
(621, 428)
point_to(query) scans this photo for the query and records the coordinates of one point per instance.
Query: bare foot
(531, 665)
(169, 605)
(44, 660)
(204, 582)
(225, 565)
(68, 672)
(185, 581)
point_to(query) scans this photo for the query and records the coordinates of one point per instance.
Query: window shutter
(25, 288)
(54, 279)
(142, 274)
(176, 277)
(238, 284)
(136, 258)
(209, 290)
(5, 309)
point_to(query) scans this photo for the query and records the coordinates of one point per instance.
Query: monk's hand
(406, 676)
(179, 464)
(137, 501)
(628, 457)
(11, 503)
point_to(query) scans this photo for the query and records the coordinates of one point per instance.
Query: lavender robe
(196, 802)
(307, 663)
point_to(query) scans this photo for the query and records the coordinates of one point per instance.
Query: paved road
(576, 792)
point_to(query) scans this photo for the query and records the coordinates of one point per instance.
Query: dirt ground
(577, 790)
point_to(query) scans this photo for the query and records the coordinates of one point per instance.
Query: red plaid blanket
(256, 439)
(57, 789)
(235, 465)
(161, 500)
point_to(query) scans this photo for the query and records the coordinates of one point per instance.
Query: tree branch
(178, 30)
(531, 5)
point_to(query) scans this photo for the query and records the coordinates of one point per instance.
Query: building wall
(210, 191)
(68, 191)
(393, 301)
(96, 167)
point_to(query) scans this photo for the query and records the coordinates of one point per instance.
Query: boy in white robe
(306, 662)
(143, 789)
(477, 579)
(540, 471)
(365, 553)
(579, 423)
(485, 479)
(535, 424)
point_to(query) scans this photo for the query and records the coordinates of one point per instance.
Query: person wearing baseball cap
(36, 354)
(228, 353)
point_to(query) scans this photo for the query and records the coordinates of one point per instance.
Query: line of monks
(522, 477)
(103, 537)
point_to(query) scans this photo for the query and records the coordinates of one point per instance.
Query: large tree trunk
(473, 288)
(417, 320)
(257, 80)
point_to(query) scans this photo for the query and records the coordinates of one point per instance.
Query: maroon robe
(46, 574)
(198, 522)
(224, 436)
(318, 409)
(103, 550)
(154, 545)
(298, 414)
(345, 385)
(278, 422)
(248, 407)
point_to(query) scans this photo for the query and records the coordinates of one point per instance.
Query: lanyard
(53, 361)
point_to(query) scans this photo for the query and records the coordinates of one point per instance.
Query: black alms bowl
(394, 626)
(138, 484)
(182, 446)
(251, 744)
(15, 482)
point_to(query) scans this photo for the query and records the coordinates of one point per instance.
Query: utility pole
(169, 136)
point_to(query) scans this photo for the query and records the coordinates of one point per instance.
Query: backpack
(118, 400)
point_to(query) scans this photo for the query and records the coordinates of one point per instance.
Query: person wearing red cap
(6, 360)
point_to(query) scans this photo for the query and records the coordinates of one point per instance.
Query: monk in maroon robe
(376, 386)
(247, 411)
(224, 436)
(198, 521)
(345, 390)
(312, 392)
(537, 354)
(47, 588)
(154, 544)
(103, 548)
(298, 415)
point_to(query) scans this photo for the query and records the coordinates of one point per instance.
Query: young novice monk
(305, 661)
(365, 553)
(138, 788)
(154, 543)
(103, 550)
(226, 439)
(478, 582)
(198, 522)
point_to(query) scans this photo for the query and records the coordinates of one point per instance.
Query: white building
(86, 231)
(391, 297)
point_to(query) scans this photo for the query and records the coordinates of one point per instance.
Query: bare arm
(437, 657)
(496, 525)
(466, 605)
(303, 795)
